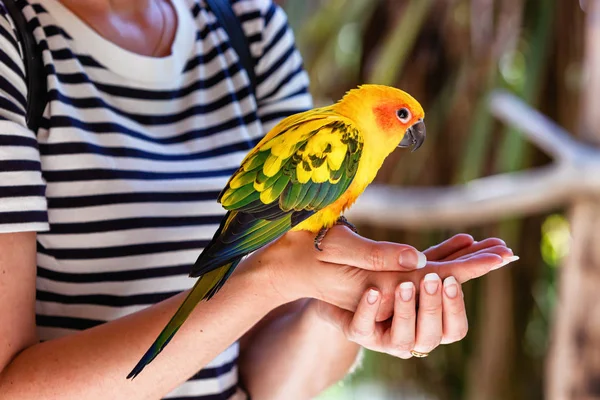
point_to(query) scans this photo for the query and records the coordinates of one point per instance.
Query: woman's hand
(441, 317)
(357, 284)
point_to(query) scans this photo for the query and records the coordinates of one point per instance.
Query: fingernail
(406, 291)
(432, 282)
(451, 287)
(412, 258)
(372, 296)
(507, 260)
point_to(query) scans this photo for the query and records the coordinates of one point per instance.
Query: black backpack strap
(232, 25)
(34, 66)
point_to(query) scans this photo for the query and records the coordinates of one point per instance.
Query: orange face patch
(386, 118)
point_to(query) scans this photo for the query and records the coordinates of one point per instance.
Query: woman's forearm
(295, 355)
(93, 364)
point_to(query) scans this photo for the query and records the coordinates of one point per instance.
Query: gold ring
(418, 354)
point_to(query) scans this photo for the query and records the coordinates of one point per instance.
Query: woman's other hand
(440, 318)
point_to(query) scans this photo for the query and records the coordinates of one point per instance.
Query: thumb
(341, 246)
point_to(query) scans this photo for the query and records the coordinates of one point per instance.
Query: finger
(429, 317)
(454, 315)
(342, 246)
(500, 250)
(507, 260)
(449, 247)
(465, 269)
(362, 327)
(475, 246)
(401, 338)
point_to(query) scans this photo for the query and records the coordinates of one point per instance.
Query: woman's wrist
(263, 277)
(284, 273)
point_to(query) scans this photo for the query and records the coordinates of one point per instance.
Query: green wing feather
(282, 182)
(304, 164)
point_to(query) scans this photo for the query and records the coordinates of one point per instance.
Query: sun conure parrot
(301, 176)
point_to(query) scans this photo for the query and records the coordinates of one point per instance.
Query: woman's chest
(130, 140)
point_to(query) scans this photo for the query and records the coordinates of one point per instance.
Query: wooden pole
(574, 361)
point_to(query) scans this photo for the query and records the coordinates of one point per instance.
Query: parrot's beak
(414, 136)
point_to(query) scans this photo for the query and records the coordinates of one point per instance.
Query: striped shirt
(121, 180)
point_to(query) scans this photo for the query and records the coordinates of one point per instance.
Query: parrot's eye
(403, 115)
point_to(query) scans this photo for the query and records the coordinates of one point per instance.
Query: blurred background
(450, 54)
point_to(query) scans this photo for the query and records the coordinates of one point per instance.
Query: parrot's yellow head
(388, 116)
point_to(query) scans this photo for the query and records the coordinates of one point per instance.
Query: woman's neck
(115, 6)
(145, 27)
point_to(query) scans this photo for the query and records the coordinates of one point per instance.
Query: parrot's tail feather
(206, 287)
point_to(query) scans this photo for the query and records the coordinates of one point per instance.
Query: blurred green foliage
(555, 239)
(449, 54)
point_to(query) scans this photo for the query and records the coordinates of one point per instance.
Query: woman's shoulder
(245, 10)
(12, 69)
(7, 28)
(261, 6)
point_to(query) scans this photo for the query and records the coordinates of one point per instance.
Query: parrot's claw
(323, 232)
(319, 238)
(343, 221)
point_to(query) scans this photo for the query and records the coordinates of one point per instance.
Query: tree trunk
(574, 370)
(574, 362)
(489, 370)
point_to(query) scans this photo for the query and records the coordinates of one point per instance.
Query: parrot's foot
(320, 236)
(323, 232)
(343, 221)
